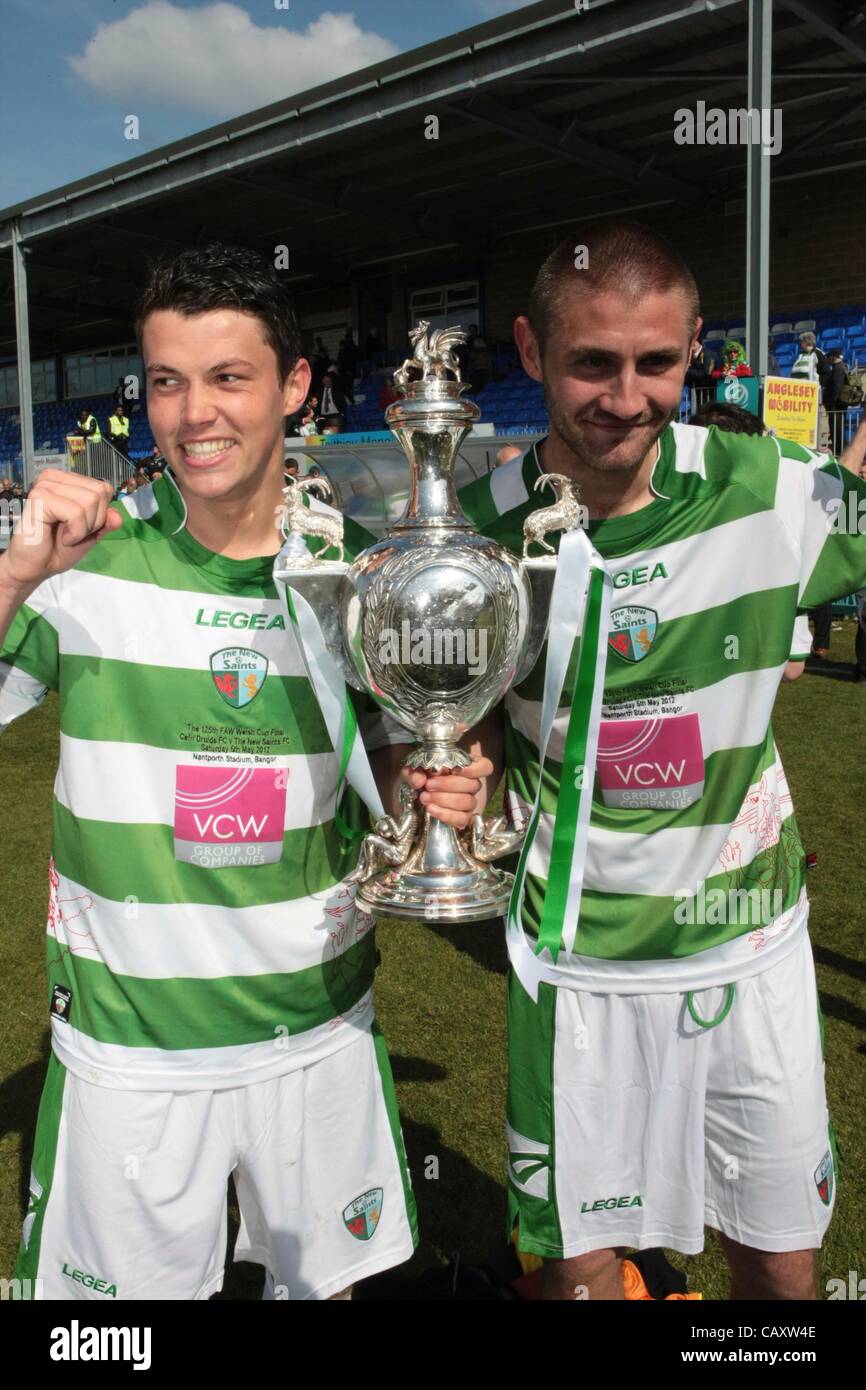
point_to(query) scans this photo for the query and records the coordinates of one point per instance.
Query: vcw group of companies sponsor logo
(229, 816)
(736, 126)
(657, 763)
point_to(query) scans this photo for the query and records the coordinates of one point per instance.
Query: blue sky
(72, 70)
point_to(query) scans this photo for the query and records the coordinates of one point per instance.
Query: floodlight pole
(758, 188)
(22, 337)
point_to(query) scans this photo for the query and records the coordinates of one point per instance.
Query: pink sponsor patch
(655, 763)
(229, 816)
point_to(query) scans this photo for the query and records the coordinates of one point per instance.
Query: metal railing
(98, 460)
(842, 426)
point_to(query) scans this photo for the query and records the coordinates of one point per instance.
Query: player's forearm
(12, 596)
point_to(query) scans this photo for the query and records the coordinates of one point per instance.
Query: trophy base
(461, 897)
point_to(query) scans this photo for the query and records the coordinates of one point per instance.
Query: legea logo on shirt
(654, 763)
(229, 816)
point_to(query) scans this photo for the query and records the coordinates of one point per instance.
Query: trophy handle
(541, 572)
(322, 587)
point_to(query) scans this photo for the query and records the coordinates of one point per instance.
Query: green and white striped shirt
(199, 934)
(695, 868)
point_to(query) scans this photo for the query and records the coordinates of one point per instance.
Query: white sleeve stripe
(19, 693)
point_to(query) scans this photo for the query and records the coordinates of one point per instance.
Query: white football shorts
(632, 1124)
(129, 1188)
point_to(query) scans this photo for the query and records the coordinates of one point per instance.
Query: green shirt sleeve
(29, 663)
(834, 534)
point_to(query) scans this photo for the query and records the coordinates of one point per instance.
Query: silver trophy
(435, 622)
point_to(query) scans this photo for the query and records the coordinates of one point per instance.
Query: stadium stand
(511, 401)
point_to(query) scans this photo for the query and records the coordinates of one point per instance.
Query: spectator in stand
(733, 361)
(118, 430)
(5, 489)
(88, 425)
(347, 364)
(156, 475)
(837, 375)
(332, 411)
(308, 421)
(388, 394)
(119, 392)
(811, 365)
(698, 370)
(293, 468)
(141, 479)
(18, 493)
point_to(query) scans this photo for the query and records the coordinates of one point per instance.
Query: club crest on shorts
(632, 631)
(238, 674)
(361, 1216)
(824, 1178)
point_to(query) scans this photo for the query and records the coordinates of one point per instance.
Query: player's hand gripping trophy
(435, 622)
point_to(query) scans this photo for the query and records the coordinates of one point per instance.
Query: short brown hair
(626, 257)
(226, 277)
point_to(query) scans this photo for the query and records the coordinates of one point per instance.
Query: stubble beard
(570, 432)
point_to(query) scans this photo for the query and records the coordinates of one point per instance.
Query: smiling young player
(209, 977)
(670, 1075)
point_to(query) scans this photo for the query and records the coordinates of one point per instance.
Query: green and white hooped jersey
(695, 872)
(199, 932)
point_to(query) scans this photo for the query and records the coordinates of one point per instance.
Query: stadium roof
(547, 114)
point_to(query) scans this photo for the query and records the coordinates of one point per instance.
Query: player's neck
(238, 527)
(603, 494)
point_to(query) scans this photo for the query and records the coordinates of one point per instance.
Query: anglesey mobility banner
(791, 409)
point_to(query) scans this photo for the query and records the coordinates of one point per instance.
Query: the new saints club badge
(632, 631)
(361, 1216)
(238, 674)
(824, 1178)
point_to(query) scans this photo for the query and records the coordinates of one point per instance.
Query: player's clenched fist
(63, 518)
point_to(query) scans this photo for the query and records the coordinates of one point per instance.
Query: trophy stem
(440, 879)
